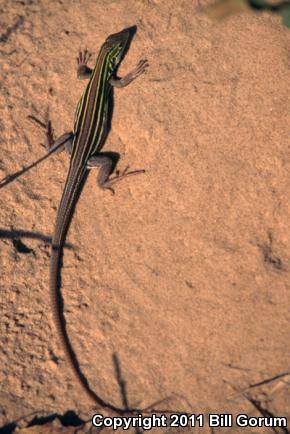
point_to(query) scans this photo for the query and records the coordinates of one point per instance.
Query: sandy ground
(184, 273)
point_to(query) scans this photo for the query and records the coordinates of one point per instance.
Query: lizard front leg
(132, 75)
(83, 70)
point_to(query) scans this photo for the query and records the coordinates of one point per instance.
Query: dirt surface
(183, 275)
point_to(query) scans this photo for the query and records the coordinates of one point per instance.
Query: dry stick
(261, 383)
(254, 403)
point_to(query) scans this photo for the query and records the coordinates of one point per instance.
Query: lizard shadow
(70, 419)
(17, 235)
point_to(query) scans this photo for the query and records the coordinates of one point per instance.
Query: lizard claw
(83, 57)
(83, 71)
(141, 67)
(49, 136)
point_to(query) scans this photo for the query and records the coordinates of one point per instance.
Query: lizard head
(117, 45)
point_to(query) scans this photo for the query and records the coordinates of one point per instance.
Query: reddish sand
(184, 273)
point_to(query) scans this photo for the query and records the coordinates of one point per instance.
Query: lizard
(83, 145)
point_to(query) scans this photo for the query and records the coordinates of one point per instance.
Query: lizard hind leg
(61, 143)
(51, 144)
(106, 164)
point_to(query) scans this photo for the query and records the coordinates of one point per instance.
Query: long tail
(69, 199)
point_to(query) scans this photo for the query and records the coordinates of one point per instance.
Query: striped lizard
(84, 144)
